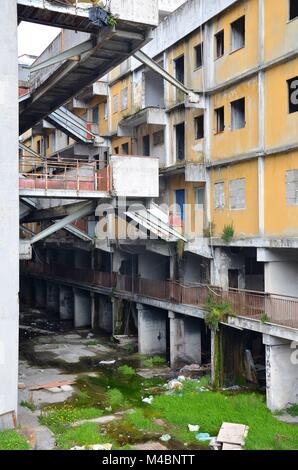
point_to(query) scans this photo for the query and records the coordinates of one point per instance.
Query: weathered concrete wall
(103, 314)
(185, 340)
(135, 176)
(9, 217)
(281, 373)
(152, 330)
(82, 309)
(66, 300)
(153, 266)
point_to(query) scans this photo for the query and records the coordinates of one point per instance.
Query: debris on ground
(53, 385)
(148, 400)
(203, 437)
(232, 436)
(107, 363)
(94, 447)
(195, 370)
(165, 438)
(159, 422)
(175, 385)
(193, 428)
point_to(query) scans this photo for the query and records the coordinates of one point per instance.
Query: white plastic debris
(94, 447)
(165, 438)
(107, 363)
(193, 428)
(175, 385)
(181, 378)
(148, 400)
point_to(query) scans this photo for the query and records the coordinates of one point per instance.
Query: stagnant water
(96, 380)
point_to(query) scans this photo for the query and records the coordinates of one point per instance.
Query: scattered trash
(94, 447)
(52, 385)
(107, 363)
(181, 378)
(159, 422)
(90, 335)
(214, 444)
(191, 368)
(166, 438)
(108, 408)
(232, 436)
(203, 437)
(233, 388)
(175, 385)
(193, 428)
(148, 400)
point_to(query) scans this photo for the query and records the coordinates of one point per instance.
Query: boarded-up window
(115, 99)
(124, 99)
(219, 195)
(158, 138)
(237, 194)
(292, 187)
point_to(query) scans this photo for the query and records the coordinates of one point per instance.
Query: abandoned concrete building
(157, 180)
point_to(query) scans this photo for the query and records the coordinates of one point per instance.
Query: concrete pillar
(66, 303)
(103, 313)
(39, 293)
(281, 372)
(53, 297)
(152, 324)
(185, 340)
(9, 214)
(82, 308)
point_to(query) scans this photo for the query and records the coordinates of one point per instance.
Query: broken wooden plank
(231, 433)
(52, 385)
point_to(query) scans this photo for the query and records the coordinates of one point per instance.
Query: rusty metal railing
(64, 175)
(276, 309)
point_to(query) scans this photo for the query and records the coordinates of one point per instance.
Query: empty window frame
(237, 194)
(238, 114)
(158, 138)
(115, 103)
(95, 115)
(219, 44)
(124, 99)
(219, 195)
(180, 142)
(292, 187)
(293, 9)
(200, 198)
(179, 69)
(116, 150)
(146, 145)
(293, 94)
(199, 127)
(199, 55)
(125, 149)
(220, 120)
(238, 34)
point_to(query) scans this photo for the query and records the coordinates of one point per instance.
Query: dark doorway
(233, 279)
(180, 142)
(146, 146)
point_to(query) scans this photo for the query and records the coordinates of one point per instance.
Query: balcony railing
(276, 309)
(73, 176)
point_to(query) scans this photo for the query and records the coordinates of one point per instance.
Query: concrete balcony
(129, 177)
(194, 172)
(98, 89)
(150, 116)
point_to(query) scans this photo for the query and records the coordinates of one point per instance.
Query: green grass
(57, 419)
(85, 435)
(293, 410)
(28, 404)
(11, 440)
(115, 398)
(139, 421)
(127, 370)
(154, 362)
(210, 409)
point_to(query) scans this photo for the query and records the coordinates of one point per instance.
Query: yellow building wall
(281, 127)
(119, 141)
(246, 222)
(239, 141)
(280, 219)
(115, 90)
(235, 62)
(280, 33)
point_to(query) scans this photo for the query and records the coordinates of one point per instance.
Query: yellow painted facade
(120, 107)
(245, 221)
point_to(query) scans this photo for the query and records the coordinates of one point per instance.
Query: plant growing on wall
(265, 318)
(228, 233)
(217, 311)
(208, 232)
(112, 21)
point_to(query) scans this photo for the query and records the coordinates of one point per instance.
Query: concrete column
(281, 372)
(53, 297)
(103, 313)
(82, 309)
(185, 340)
(39, 293)
(66, 303)
(152, 324)
(9, 214)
